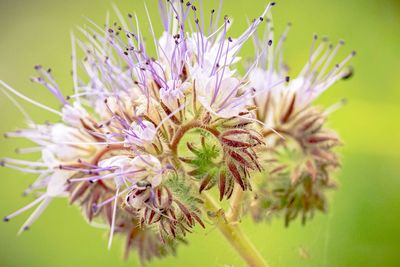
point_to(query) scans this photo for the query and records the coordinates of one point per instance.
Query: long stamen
(114, 213)
(15, 92)
(18, 106)
(35, 215)
(74, 65)
(23, 209)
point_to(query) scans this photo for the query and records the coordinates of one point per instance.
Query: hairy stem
(184, 128)
(233, 214)
(181, 132)
(230, 229)
(233, 234)
(105, 150)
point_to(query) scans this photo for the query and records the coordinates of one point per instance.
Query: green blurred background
(362, 227)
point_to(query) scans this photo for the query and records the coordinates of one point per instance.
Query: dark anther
(213, 11)
(126, 53)
(353, 53)
(194, 8)
(129, 15)
(110, 30)
(6, 219)
(287, 79)
(261, 18)
(269, 42)
(94, 208)
(230, 39)
(196, 21)
(26, 228)
(273, 3)
(349, 74)
(188, 4)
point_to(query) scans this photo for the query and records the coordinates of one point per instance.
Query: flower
(118, 150)
(315, 77)
(140, 133)
(300, 167)
(53, 181)
(221, 97)
(172, 94)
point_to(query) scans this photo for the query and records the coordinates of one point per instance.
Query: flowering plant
(146, 137)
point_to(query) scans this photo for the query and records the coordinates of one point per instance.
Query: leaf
(235, 173)
(221, 185)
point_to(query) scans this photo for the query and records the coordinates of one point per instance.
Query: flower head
(147, 134)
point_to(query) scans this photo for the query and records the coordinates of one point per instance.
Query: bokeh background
(362, 227)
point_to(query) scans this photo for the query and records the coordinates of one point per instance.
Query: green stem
(233, 215)
(230, 229)
(234, 234)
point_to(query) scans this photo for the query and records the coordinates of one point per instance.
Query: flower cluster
(144, 135)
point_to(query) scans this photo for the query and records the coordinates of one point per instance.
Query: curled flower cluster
(145, 135)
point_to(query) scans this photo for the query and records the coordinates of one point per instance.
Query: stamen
(74, 65)
(24, 162)
(113, 219)
(33, 102)
(171, 114)
(328, 61)
(35, 215)
(152, 30)
(19, 107)
(28, 150)
(4, 164)
(23, 209)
